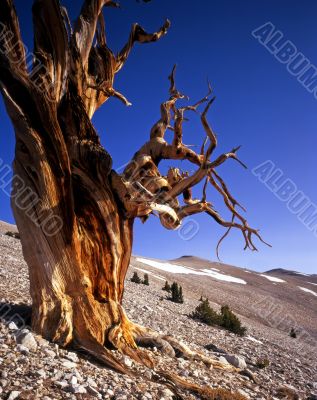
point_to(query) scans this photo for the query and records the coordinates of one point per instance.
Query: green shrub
(15, 235)
(206, 314)
(293, 333)
(231, 322)
(180, 295)
(167, 287)
(135, 278)
(226, 318)
(263, 363)
(146, 280)
(177, 293)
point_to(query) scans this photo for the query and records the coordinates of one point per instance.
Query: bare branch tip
(113, 4)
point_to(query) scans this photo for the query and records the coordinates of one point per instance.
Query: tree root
(184, 351)
(172, 347)
(169, 346)
(101, 354)
(176, 383)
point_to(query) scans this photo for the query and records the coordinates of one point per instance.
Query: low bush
(226, 318)
(135, 278)
(15, 235)
(263, 363)
(206, 314)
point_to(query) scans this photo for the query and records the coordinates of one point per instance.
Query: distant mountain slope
(296, 274)
(5, 227)
(261, 297)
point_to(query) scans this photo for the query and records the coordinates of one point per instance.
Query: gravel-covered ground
(32, 368)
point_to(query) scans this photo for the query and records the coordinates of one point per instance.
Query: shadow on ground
(20, 314)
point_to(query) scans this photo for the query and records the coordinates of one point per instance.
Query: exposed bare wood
(50, 46)
(138, 34)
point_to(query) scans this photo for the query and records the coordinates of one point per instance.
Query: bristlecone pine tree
(166, 287)
(293, 333)
(77, 239)
(177, 293)
(146, 280)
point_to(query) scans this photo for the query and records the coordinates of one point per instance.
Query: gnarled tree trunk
(76, 235)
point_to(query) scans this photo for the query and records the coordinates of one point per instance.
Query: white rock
(50, 353)
(147, 374)
(12, 326)
(127, 361)
(72, 357)
(166, 394)
(91, 382)
(76, 389)
(22, 349)
(69, 364)
(27, 339)
(243, 393)
(14, 395)
(41, 373)
(91, 390)
(61, 384)
(236, 361)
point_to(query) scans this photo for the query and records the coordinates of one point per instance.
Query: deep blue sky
(259, 105)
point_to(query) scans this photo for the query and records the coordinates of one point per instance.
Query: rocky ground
(32, 368)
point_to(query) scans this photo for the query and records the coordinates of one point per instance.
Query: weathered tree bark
(74, 213)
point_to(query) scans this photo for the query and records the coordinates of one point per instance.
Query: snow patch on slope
(168, 267)
(161, 278)
(301, 273)
(180, 269)
(308, 291)
(222, 277)
(272, 278)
